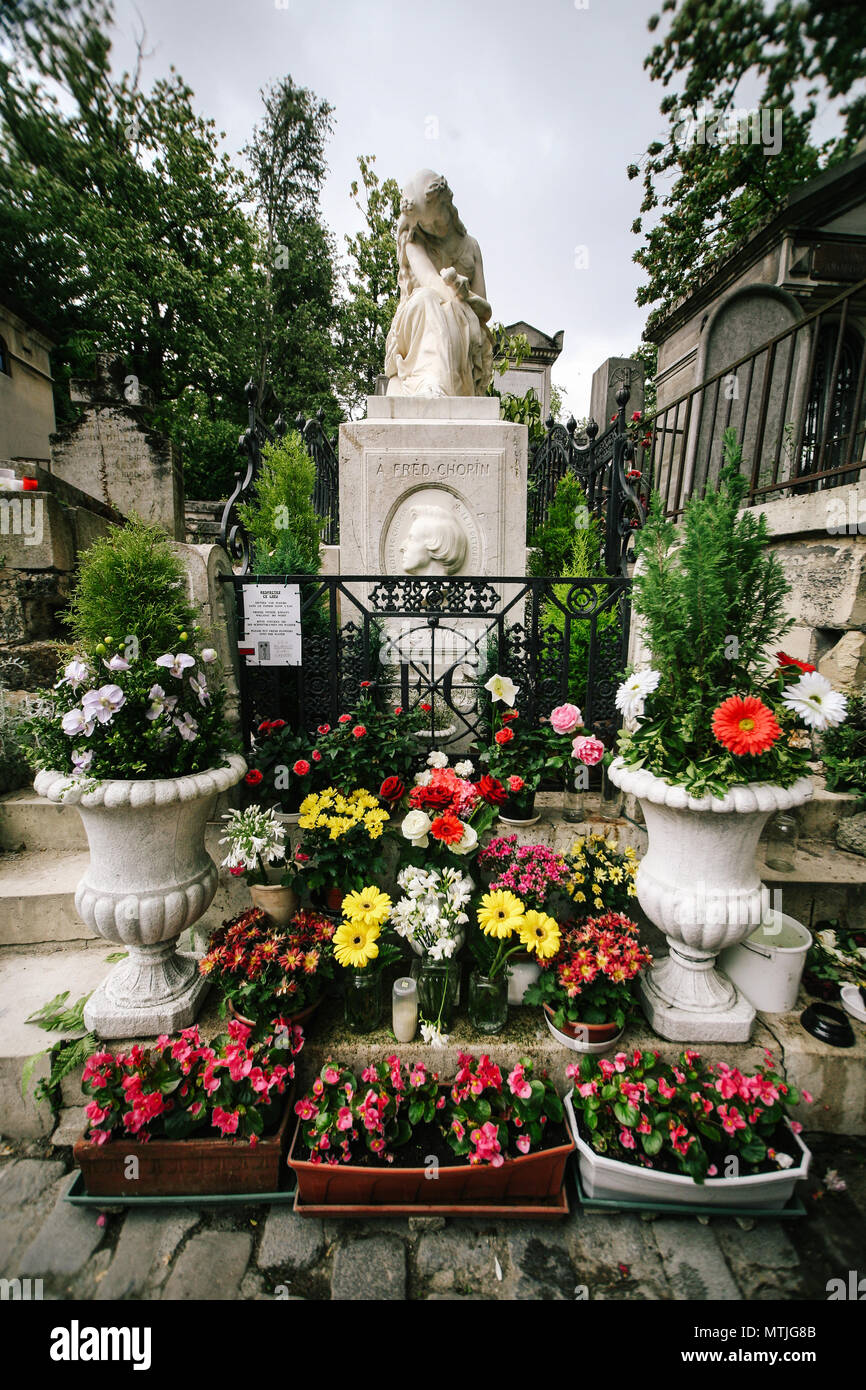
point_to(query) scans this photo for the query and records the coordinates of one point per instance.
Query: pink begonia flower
(626, 1138)
(523, 1143)
(344, 1118)
(588, 750)
(807, 1096)
(665, 1090)
(620, 1061)
(518, 1084)
(225, 1120)
(331, 1076)
(565, 719)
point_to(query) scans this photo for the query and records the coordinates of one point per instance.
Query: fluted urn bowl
(699, 883)
(150, 877)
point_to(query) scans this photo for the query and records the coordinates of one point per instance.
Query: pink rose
(565, 719)
(588, 750)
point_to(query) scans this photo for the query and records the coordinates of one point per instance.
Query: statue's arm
(425, 271)
(478, 297)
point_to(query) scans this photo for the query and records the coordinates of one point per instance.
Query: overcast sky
(534, 110)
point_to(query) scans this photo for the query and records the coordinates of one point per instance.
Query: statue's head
(428, 203)
(436, 542)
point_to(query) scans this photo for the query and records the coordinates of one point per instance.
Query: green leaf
(652, 1142)
(626, 1114)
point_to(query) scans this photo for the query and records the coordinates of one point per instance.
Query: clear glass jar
(574, 790)
(438, 982)
(488, 1001)
(362, 1002)
(783, 834)
(612, 798)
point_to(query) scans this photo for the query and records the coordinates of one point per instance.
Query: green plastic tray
(76, 1194)
(791, 1211)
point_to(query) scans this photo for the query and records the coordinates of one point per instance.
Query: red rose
(509, 715)
(365, 685)
(426, 708)
(301, 767)
(398, 709)
(236, 870)
(324, 728)
(316, 756)
(448, 828)
(504, 736)
(392, 789)
(359, 731)
(265, 726)
(491, 790)
(344, 719)
(636, 415)
(278, 724)
(434, 797)
(253, 777)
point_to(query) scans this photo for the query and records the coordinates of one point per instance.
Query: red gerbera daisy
(785, 660)
(448, 828)
(744, 724)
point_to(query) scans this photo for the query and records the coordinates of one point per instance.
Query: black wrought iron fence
(435, 642)
(796, 402)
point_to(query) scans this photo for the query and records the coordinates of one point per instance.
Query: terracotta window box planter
(534, 1177)
(197, 1167)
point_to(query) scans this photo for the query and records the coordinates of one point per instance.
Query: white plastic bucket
(768, 965)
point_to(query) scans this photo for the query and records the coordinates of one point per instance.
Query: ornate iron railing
(436, 641)
(322, 450)
(796, 402)
(616, 492)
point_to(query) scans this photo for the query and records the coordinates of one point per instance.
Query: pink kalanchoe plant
(533, 872)
(690, 1117)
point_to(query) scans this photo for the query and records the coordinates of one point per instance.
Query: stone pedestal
(451, 453)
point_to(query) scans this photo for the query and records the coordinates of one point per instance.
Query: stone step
(28, 821)
(826, 883)
(37, 890)
(30, 977)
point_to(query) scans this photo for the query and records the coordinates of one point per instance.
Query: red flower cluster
(260, 967)
(469, 1082)
(270, 726)
(491, 790)
(598, 946)
(445, 792)
(179, 1085)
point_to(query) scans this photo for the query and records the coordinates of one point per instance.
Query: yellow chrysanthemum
(580, 897)
(540, 933)
(631, 890)
(369, 906)
(500, 913)
(356, 945)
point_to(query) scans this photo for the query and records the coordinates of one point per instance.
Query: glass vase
(783, 834)
(574, 789)
(488, 1001)
(362, 1002)
(438, 982)
(612, 798)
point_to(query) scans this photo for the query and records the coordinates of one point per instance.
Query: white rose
(436, 759)
(416, 828)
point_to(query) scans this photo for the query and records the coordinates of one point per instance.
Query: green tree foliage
(281, 520)
(371, 286)
(296, 355)
(131, 582)
(801, 58)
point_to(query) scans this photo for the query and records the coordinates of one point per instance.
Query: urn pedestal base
(156, 990)
(682, 1024)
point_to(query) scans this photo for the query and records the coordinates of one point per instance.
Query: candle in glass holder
(404, 1009)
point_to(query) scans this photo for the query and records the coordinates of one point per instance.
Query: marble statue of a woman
(438, 343)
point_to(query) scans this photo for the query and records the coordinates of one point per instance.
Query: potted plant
(285, 766)
(133, 734)
(719, 744)
(505, 929)
(520, 755)
(448, 812)
(263, 969)
(537, 875)
(602, 876)
(365, 748)
(692, 1132)
(367, 1141)
(364, 945)
(161, 1106)
(255, 841)
(431, 916)
(341, 842)
(588, 988)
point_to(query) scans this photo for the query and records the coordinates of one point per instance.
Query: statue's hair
(443, 536)
(425, 185)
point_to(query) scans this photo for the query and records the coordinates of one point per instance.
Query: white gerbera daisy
(633, 691)
(814, 700)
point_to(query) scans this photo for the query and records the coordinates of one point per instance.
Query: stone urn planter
(699, 883)
(150, 877)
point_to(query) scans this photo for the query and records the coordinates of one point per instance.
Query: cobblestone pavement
(263, 1252)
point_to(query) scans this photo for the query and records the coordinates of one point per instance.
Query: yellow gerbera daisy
(500, 913)
(355, 944)
(368, 906)
(540, 933)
